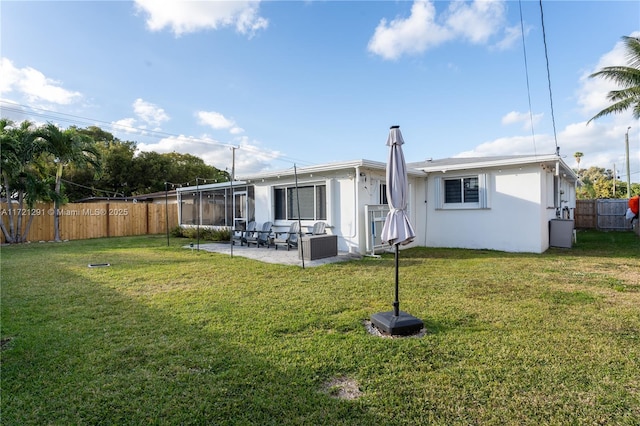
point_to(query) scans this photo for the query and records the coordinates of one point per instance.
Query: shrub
(222, 234)
(207, 234)
(177, 232)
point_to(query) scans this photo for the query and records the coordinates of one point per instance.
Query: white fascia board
(504, 162)
(328, 167)
(210, 186)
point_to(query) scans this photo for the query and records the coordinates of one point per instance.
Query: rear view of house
(499, 203)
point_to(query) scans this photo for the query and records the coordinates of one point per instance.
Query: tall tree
(22, 181)
(116, 174)
(66, 147)
(118, 159)
(150, 171)
(578, 156)
(628, 78)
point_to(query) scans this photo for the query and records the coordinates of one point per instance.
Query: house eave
(482, 163)
(323, 168)
(211, 186)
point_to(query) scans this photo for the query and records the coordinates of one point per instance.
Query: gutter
(356, 215)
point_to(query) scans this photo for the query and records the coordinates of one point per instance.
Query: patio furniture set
(316, 244)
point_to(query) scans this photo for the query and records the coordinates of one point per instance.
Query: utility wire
(92, 189)
(86, 122)
(526, 71)
(546, 55)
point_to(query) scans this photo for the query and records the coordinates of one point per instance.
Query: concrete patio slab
(271, 255)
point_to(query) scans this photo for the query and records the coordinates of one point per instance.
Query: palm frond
(633, 46)
(627, 77)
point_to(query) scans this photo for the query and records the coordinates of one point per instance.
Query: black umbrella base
(402, 325)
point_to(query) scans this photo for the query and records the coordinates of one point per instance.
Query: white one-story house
(506, 203)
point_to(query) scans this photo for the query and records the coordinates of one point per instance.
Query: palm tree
(578, 156)
(627, 77)
(22, 181)
(65, 147)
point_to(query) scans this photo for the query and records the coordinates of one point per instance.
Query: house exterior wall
(513, 203)
(521, 199)
(341, 207)
(370, 193)
(348, 192)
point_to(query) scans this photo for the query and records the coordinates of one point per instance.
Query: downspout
(356, 211)
(426, 207)
(179, 200)
(558, 195)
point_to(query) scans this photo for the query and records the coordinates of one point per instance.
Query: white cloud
(513, 145)
(523, 118)
(603, 145)
(149, 113)
(592, 93)
(475, 22)
(512, 35)
(249, 158)
(33, 85)
(602, 141)
(191, 16)
(214, 120)
(10, 76)
(126, 125)
(412, 35)
(148, 117)
(217, 121)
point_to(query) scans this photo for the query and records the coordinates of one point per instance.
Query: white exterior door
(240, 210)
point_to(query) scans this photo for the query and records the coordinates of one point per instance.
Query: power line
(546, 55)
(526, 70)
(86, 121)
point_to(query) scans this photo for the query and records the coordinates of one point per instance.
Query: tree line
(46, 163)
(598, 182)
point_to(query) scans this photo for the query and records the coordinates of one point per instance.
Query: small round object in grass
(98, 265)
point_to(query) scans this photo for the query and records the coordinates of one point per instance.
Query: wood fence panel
(611, 215)
(81, 221)
(602, 214)
(157, 217)
(94, 220)
(41, 228)
(127, 219)
(585, 214)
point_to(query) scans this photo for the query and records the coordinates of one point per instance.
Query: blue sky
(310, 82)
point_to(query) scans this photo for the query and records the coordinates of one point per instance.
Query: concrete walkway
(271, 255)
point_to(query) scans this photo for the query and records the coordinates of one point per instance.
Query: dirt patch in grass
(5, 343)
(342, 388)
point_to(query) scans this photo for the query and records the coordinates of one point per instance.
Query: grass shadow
(106, 357)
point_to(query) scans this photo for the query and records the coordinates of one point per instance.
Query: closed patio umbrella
(397, 230)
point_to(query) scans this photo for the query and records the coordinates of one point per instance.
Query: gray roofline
(319, 168)
(413, 169)
(466, 163)
(211, 186)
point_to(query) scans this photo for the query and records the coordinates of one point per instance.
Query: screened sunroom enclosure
(217, 205)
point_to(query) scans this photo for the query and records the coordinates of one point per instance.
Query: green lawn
(171, 336)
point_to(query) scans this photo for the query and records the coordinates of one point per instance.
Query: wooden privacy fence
(79, 221)
(602, 214)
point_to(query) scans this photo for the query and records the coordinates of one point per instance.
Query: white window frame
(316, 202)
(483, 193)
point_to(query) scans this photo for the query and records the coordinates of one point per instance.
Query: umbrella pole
(396, 322)
(396, 303)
